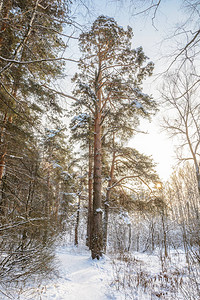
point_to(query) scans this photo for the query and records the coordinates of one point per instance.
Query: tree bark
(129, 237)
(5, 7)
(164, 233)
(4, 151)
(4, 144)
(77, 220)
(89, 222)
(198, 176)
(107, 201)
(97, 233)
(3, 161)
(2, 164)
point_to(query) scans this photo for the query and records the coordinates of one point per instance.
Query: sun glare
(158, 185)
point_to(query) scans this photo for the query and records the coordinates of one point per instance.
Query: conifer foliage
(30, 44)
(32, 159)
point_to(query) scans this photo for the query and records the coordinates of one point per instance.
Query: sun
(158, 185)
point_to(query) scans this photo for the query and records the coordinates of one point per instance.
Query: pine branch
(10, 226)
(24, 40)
(12, 61)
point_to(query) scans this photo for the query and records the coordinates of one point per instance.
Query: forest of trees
(65, 163)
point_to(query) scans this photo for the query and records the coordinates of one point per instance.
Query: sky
(152, 37)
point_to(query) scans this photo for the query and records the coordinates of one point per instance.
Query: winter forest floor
(136, 276)
(80, 277)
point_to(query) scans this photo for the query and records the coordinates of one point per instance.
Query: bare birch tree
(181, 97)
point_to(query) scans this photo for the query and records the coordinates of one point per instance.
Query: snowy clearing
(80, 278)
(134, 276)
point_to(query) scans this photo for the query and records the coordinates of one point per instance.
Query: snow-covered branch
(13, 61)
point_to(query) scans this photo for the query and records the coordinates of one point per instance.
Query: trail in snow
(81, 278)
(138, 277)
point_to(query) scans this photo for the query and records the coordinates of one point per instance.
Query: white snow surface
(99, 210)
(81, 278)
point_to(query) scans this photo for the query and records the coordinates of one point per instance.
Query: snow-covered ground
(81, 278)
(134, 276)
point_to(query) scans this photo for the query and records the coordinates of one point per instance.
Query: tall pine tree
(110, 83)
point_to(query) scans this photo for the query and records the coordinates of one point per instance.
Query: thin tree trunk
(89, 222)
(164, 233)
(198, 178)
(138, 242)
(57, 202)
(129, 236)
(3, 145)
(3, 128)
(196, 163)
(4, 151)
(107, 200)
(3, 162)
(3, 197)
(77, 220)
(7, 119)
(31, 192)
(152, 237)
(105, 225)
(47, 202)
(27, 207)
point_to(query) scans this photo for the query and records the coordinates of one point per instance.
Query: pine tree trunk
(3, 143)
(97, 232)
(89, 222)
(7, 119)
(107, 200)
